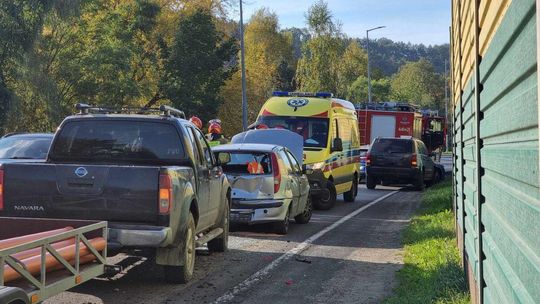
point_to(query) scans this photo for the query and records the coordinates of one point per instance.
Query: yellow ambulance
(331, 141)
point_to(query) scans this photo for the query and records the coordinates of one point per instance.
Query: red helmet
(261, 127)
(214, 128)
(196, 121)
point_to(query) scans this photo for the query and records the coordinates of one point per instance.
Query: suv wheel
(419, 183)
(304, 217)
(371, 182)
(182, 274)
(350, 195)
(326, 203)
(221, 243)
(283, 226)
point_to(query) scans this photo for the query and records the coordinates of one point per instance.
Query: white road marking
(259, 275)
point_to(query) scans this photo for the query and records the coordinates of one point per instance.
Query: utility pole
(368, 66)
(243, 63)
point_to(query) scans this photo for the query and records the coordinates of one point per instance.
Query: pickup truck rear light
(414, 160)
(165, 194)
(1, 189)
(276, 172)
(368, 159)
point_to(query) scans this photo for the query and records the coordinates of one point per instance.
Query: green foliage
(417, 82)
(432, 271)
(196, 69)
(358, 90)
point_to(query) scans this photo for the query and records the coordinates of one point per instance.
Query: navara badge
(297, 102)
(81, 172)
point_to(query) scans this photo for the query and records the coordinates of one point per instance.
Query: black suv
(399, 161)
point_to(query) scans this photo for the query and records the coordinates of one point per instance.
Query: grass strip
(432, 272)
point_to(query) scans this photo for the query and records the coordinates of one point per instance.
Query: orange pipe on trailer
(33, 264)
(37, 251)
(7, 243)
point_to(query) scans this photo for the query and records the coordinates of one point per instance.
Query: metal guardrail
(75, 273)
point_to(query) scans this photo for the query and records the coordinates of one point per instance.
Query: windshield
(117, 141)
(254, 163)
(15, 147)
(390, 145)
(313, 130)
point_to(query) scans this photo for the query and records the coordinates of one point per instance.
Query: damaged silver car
(268, 185)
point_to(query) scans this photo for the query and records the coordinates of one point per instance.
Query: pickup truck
(151, 176)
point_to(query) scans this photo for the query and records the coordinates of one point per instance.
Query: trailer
(40, 258)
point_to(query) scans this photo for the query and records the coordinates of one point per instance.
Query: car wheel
(221, 243)
(419, 183)
(304, 217)
(350, 195)
(371, 182)
(283, 226)
(434, 179)
(182, 274)
(326, 203)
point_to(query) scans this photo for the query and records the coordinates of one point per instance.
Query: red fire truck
(391, 119)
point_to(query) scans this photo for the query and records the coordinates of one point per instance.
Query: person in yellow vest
(215, 136)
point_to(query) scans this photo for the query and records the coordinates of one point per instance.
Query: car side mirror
(337, 145)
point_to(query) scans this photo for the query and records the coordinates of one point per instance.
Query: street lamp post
(368, 66)
(244, 96)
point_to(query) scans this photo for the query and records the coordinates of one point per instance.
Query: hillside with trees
(185, 53)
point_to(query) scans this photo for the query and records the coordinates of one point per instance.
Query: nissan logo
(81, 172)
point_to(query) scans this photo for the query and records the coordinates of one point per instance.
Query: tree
(417, 82)
(200, 62)
(358, 90)
(269, 66)
(318, 68)
(352, 65)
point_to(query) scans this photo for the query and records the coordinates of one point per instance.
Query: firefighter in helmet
(215, 136)
(196, 121)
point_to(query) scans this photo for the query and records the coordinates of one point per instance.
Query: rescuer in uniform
(215, 136)
(196, 121)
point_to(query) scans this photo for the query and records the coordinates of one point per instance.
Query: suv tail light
(414, 160)
(368, 159)
(165, 194)
(1, 189)
(277, 173)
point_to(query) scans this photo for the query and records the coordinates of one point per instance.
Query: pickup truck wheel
(350, 195)
(371, 182)
(304, 217)
(283, 226)
(221, 243)
(328, 201)
(182, 274)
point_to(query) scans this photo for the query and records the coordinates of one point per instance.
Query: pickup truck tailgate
(91, 192)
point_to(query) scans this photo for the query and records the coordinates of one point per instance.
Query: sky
(415, 21)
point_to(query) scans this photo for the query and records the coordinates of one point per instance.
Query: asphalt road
(346, 255)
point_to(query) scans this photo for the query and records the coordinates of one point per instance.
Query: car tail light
(165, 194)
(1, 189)
(414, 160)
(368, 159)
(277, 173)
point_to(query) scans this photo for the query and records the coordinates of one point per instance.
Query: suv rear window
(391, 145)
(130, 141)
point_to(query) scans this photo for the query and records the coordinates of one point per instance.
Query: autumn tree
(269, 66)
(417, 82)
(358, 90)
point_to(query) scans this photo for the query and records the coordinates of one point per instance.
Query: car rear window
(390, 145)
(248, 163)
(121, 140)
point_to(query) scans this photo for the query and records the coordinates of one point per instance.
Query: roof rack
(85, 109)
